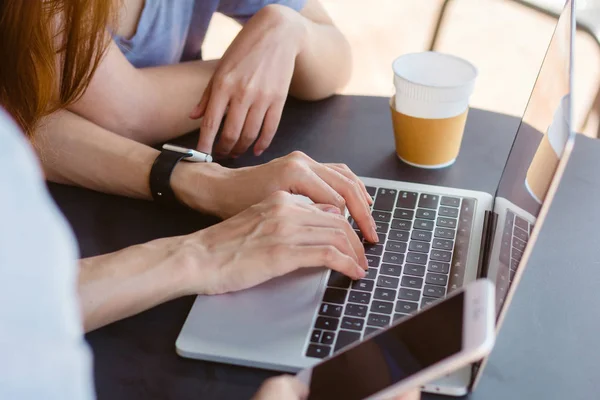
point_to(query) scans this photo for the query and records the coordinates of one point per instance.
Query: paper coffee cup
(546, 158)
(430, 107)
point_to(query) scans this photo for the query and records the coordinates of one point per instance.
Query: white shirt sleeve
(43, 354)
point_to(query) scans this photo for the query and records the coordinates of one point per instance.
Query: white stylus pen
(192, 155)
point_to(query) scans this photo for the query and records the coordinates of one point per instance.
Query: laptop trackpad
(265, 326)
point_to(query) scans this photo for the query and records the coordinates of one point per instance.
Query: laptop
(433, 241)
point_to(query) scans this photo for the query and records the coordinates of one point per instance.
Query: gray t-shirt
(169, 32)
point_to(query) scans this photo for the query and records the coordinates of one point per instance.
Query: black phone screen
(393, 355)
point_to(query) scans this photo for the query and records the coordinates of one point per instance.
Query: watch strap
(160, 176)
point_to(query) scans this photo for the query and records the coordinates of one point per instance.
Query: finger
(200, 108)
(282, 387)
(291, 257)
(353, 196)
(254, 121)
(316, 236)
(412, 395)
(344, 170)
(332, 219)
(211, 122)
(270, 125)
(232, 128)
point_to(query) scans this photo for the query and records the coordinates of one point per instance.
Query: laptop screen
(532, 162)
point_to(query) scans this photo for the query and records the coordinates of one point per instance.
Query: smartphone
(436, 341)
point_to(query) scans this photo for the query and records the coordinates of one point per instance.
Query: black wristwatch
(160, 174)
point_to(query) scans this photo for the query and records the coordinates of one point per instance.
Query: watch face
(178, 149)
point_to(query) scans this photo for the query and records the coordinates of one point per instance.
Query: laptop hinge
(487, 238)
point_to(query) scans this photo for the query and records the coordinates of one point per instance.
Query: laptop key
(388, 282)
(327, 337)
(356, 310)
(443, 244)
(399, 316)
(412, 282)
(404, 214)
(381, 227)
(373, 261)
(446, 222)
(409, 294)
(355, 324)
(336, 296)
(417, 258)
(421, 235)
(359, 297)
(393, 258)
(382, 216)
(414, 269)
(373, 249)
(518, 244)
(450, 201)
(371, 190)
(360, 235)
(427, 301)
(407, 200)
(521, 223)
(330, 310)
(401, 224)
(401, 236)
(344, 338)
(384, 294)
(327, 323)
(382, 307)
(426, 214)
(440, 255)
(315, 337)
(385, 200)
(436, 279)
(422, 247)
(448, 212)
(365, 285)
(444, 233)
(390, 269)
(371, 329)
(318, 351)
(338, 280)
(439, 267)
(514, 264)
(424, 224)
(371, 273)
(396, 247)
(378, 320)
(406, 306)
(516, 254)
(521, 234)
(429, 201)
(434, 291)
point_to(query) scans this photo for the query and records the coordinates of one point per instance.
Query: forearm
(118, 285)
(149, 105)
(78, 152)
(324, 63)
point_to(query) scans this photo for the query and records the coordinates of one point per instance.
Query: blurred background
(505, 39)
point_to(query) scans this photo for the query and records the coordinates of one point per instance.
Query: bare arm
(324, 63)
(149, 105)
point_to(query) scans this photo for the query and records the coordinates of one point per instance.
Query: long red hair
(49, 51)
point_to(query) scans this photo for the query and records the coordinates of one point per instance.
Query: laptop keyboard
(515, 236)
(420, 257)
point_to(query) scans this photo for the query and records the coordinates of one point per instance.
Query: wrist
(196, 185)
(292, 25)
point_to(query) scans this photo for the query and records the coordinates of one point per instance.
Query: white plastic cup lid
(432, 84)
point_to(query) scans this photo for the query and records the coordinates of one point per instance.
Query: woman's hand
(252, 79)
(286, 387)
(226, 192)
(269, 239)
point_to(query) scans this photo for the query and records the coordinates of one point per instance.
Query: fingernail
(361, 273)
(258, 152)
(333, 210)
(374, 235)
